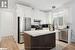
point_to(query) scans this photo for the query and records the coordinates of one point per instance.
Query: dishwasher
(63, 35)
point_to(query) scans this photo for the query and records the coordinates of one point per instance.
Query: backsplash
(39, 27)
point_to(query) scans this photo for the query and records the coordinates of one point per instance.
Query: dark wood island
(41, 41)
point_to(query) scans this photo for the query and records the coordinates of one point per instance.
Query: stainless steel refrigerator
(24, 24)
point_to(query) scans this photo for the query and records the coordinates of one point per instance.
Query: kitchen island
(39, 40)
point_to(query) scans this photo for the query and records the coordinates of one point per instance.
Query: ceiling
(45, 4)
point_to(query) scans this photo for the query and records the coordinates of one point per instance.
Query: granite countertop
(39, 32)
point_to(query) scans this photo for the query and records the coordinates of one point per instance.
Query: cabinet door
(28, 24)
(35, 43)
(63, 35)
(47, 41)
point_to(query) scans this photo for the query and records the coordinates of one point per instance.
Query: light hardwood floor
(64, 46)
(70, 47)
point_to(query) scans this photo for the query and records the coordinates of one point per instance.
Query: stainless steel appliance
(24, 24)
(63, 35)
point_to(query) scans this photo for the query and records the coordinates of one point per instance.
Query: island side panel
(27, 41)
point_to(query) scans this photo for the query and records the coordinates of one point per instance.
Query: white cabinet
(24, 11)
(39, 15)
(20, 11)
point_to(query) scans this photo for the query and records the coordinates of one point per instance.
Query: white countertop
(39, 32)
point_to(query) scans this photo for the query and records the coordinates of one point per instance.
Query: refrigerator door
(22, 24)
(28, 24)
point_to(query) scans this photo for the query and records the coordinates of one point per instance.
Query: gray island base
(41, 41)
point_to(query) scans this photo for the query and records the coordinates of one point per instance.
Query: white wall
(8, 25)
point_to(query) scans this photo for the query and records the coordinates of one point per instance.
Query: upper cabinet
(24, 11)
(20, 11)
(28, 11)
(34, 14)
(39, 15)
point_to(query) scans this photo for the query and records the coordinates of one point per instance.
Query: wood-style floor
(70, 47)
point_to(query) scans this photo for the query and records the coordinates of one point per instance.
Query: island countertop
(39, 32)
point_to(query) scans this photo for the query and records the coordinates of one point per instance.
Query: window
(60, 20)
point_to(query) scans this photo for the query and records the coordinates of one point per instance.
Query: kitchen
(31, 16)
(42, 20)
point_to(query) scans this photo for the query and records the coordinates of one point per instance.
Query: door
(28, 24)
